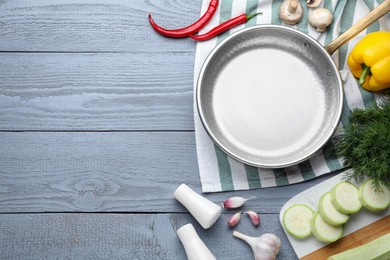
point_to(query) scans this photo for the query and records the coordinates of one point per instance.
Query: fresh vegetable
(291, 12)
(325, 232)
(329, 213)
(369, 61)
(365, 144)
(376, 249)
(345, 198)
(327, 225)
(255, 218)
(234, 219)
(235, 202)
(320, 19)
(243, 18)
(191, 29)
(296, 220)
(313, 3)
(374, 200)
(264, 247)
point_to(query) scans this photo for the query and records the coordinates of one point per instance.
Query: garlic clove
(235, 202)
(264, 247)
(255, 218)
(234, 219)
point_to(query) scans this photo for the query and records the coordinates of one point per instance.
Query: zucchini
(378, 249)
(329, 213)
(325, 232)
(372, 199)
(296, 220)
(345, 198)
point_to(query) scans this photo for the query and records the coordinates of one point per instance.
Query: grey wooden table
(96, 133)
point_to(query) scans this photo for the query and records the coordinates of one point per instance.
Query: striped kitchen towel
(219, 172)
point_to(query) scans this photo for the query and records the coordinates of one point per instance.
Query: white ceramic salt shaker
(203, 210)
(193, 245)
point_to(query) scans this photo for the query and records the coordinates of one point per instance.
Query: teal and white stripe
(219, 172)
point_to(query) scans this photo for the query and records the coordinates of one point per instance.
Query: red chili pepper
(243, 18)
(191, 29)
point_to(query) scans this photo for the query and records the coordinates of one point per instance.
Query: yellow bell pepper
(369, 61)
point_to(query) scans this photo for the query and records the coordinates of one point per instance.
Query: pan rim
(257, 163)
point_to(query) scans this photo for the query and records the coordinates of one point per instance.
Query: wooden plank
(357, 238)
(94, 25)
(109, 172)
(123, 236)
(106, 91)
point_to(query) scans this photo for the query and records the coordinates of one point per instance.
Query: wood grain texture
(109, 172)
(123, 236)
(105, 91)
(93, 25)
(96, 115)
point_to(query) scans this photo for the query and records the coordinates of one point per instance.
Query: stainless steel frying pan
(271, 96)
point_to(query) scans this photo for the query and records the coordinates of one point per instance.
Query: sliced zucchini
(329, 213)
(296, 220)
(378, 249)
(325, 232)
(345, 198)
(374, 200)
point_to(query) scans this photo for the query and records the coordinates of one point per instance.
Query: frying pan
(271, 96)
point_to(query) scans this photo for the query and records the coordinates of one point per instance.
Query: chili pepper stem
(250, 16)
(366, 71)
(242, 18)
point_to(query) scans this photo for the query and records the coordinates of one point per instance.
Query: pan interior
(270, 98)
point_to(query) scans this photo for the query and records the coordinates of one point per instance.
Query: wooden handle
(366, 21)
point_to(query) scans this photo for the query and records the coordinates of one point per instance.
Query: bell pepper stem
(366, 71)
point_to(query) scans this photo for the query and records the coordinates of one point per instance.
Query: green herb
(365, 144)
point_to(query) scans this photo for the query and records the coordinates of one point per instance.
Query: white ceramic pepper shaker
(193, 245)
(202, 209)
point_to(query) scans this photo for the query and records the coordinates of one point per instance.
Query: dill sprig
(365, 144)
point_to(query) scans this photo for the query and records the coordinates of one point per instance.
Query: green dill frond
(365, 144)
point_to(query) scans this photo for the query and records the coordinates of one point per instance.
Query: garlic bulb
(265, 247)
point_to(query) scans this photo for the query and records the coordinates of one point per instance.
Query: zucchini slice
(345, 198)
(296, 220)
(374, 200)
(325, 232)
(376, 249)
(329, 213)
